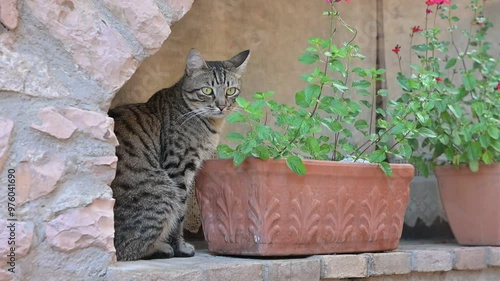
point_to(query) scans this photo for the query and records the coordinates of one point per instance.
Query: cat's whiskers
(190, 115)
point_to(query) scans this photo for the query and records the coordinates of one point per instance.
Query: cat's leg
(145, 219)
(176, 239)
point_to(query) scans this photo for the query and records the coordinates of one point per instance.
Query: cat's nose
(221, 106)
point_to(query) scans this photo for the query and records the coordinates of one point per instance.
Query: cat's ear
(239, 62)
(195, 62)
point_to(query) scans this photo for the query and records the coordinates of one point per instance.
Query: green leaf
(451, 63)
(261, 152)
(484, 140)
(469, 81)
(494, 132)
(335, 126)
(234, 136)
(474, 165)
(361, 84)
(421, 166)
(361, 124)
(420, 48)
(427, 133)
(242, 102)
(295, 164)
(238, 158)
(235, 117)
(403, 82)
(386, 168)
(263, 132)
(248, 146)
(300, 99)
(398, 129)
(488, 157)
(377, 156)
(383, 92)
(312, 92)
(309, 58)
(456, 110)
(225, 152)
(406, 151)
(337, 65)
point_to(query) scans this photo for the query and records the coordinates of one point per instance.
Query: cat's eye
(231, 91)
(207, 90)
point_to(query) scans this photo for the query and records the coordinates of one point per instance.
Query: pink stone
(146, 21)
(103, 167)
(6, 126)
(95, 124)
(95, 45)
(80, 228)
(23, 238)
(37, 175)
(8, 13)
(54, 124)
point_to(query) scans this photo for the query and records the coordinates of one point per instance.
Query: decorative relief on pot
(263, 220)
(207, 214)
(397, 220)
(304, 217)
(372, 221)
(339, 219)
(229, 216)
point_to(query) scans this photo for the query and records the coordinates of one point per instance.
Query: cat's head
(211, 87)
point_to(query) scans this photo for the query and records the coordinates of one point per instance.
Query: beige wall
(276, 32)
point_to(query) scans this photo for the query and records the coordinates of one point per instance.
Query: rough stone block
(235, 272)
(390, 263)
(294, 270)
(96, 124)
(80, 228)
(146, 21)
(54, 124)
(430, 260)
(344, 266)
(494, 256)
(146, 270)
(27, 74)
(89, 39)
(22, 235)
(470, 258)
(37, 175)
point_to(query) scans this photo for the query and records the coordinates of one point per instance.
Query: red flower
(396, 49)
(428, 11)
(498, 86)
(438, 79)
(437, 2)
(416, 29)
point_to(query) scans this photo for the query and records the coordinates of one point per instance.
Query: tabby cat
(162, 144)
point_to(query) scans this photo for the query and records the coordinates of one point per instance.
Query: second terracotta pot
(471, 202)
(261, 208)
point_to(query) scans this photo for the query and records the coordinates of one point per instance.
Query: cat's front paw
(184, 250)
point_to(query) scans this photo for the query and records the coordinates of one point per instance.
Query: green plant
(455, 90)
(338, 101)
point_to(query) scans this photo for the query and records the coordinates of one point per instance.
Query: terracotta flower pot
(471, 202)
(261, 208)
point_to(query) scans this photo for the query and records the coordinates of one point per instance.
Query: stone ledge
(410, 258)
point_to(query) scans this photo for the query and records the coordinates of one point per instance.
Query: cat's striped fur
(162, 144)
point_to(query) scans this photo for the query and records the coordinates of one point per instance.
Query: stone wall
(61, 63)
